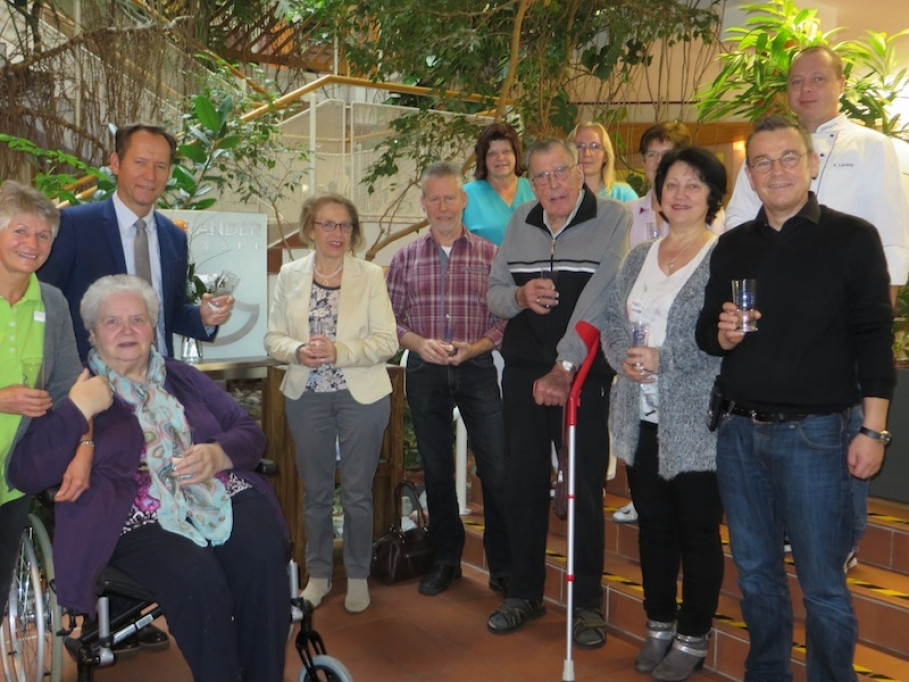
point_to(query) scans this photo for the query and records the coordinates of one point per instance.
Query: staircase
(879, 584)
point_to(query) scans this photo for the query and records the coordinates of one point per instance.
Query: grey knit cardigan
(686, 375)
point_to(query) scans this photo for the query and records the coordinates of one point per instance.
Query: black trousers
(678, 525)
(530, 431)
(12, 523)
(432, 393)
(228, 607)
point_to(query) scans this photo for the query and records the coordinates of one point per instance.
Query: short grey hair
(105, 287)
(17, 199)
(441, 169)
(547, 145)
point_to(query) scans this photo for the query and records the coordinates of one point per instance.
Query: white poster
(231, 242)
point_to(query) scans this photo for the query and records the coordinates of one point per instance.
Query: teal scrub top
(487, 214)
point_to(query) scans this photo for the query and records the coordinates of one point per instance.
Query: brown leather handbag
(401, 555)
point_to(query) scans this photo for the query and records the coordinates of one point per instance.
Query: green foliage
(217, 150)
(470, 47)
(57, 173)
(220, 149)
(874, 81)
(539, 58)
(422, 137)
(753, 78)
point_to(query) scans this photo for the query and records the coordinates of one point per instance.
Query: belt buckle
(755, 420)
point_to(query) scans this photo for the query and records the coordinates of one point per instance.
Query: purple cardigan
(87, 530)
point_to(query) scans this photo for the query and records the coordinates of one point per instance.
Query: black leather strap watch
(881, 436)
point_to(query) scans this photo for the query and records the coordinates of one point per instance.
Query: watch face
(880, 436)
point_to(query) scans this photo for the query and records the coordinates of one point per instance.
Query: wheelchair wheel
(4, 650)
(34, 619)
(326, 669)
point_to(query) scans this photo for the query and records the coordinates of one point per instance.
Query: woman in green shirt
(38, 357)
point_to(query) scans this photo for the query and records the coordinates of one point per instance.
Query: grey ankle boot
(659, 639)
(686, 655)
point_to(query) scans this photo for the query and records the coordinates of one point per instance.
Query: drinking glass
(316, 327)
(639, 332)
(224, 285)
(744, 295)
(178, 451)
(33, 372)
(549, 274)
(653, 230)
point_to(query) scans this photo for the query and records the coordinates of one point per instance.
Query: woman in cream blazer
(331, 321)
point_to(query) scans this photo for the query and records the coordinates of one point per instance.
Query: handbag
(401, 555)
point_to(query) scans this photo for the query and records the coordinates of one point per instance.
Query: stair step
(879, 584)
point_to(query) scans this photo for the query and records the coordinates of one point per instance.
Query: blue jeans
(792, 476)
(433, 391)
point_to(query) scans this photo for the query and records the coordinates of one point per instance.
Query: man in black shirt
(805, 400)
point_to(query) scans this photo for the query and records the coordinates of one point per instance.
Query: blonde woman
(597, 158)
(331, 321)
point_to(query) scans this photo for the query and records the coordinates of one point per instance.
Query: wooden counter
(289, 486)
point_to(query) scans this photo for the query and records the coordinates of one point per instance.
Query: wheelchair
(34, 636)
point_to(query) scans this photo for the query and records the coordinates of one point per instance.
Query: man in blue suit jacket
(96, 239)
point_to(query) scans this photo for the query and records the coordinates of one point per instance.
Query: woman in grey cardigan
(657, 414)
(39, 359)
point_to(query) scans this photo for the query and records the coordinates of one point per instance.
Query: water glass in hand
(744, 295)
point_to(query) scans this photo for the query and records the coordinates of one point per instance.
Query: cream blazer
(366, 335)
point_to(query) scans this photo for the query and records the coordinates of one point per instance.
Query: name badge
(40, 316)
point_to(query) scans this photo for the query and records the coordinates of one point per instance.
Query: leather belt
(758, 416)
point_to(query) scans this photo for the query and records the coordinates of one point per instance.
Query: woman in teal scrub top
(498, 190)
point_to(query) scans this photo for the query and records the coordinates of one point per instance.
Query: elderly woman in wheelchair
(173, 500)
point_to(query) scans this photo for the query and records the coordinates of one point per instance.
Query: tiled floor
(406, 637)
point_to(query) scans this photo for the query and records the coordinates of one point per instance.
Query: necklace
(325, 277)
(670, 262)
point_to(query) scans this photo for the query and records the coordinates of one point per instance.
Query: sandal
(588, 628)
(512, 614)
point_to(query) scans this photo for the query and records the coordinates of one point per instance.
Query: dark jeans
(793, 476)
(433, 391)
(678, 525)
(530, 431)
(228, 607)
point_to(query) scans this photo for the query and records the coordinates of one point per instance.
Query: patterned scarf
(201, 512)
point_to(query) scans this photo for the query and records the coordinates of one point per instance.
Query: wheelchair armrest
(267, 467)
(46, 496)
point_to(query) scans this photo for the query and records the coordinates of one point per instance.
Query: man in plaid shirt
(437, 286)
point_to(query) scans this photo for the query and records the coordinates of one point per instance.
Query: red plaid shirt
(452, 307)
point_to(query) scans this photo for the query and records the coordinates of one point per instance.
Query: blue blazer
(88, 246)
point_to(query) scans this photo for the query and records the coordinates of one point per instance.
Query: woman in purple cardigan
(173, 501)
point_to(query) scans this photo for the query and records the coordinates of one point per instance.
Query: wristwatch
(568, 366)
(881, 436)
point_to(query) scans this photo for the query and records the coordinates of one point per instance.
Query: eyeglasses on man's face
(654, 154)
(542, 179)
(329, 226)
(764, 164)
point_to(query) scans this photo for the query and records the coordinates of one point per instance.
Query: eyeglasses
(764, 164)
(654, 155)
(328, 226)
(560, 173)
(592, 146)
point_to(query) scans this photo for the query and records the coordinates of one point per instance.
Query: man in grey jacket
(559, 256)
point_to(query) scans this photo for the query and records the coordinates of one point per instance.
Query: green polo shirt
(21, 347)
